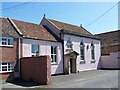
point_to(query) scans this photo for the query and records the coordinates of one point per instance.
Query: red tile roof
(70, 27)
(110, 42)
(34, 31)
(7, 29)
(109, 38)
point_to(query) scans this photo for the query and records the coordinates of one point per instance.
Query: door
(72, 65)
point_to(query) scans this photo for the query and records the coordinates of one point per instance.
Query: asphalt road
(87, 79)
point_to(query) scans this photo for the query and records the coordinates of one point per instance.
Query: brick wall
(9, 54)
(106, 50)
(36, 69)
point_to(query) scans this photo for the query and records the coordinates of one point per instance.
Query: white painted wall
(87, 41)
(44, 49)
(51, 26)
(110, 61)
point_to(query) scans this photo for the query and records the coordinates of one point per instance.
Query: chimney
(44, 15)
(80, 25)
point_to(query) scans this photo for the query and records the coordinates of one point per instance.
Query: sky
(75, 13)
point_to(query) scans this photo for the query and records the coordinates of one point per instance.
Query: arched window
(53, 54)
(92, 51)
(69, 44)
(82, 53)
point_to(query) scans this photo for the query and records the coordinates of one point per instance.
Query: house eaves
(15, 26)
(79, 34)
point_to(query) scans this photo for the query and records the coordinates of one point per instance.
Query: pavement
(18, 84)
(85, 79)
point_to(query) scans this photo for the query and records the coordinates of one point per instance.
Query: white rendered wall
(110, 61)
(76, 47)
(51, 26)
(44, 49)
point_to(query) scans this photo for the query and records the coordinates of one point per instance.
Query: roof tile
(7, 28)
(70, 27)
(35, 31)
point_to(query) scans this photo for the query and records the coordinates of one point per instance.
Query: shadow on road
(22, 83)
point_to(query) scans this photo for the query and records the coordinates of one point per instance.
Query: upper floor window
(53, 54)
(6, 41)
(35, 50)
(92, 51)
(104, 38)
(82, 53)
(116, 38)
(69, 44)
(6, 67)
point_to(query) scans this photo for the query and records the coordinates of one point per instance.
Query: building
(72, 48)
(110, 49)
(81, 48)
(21, 39)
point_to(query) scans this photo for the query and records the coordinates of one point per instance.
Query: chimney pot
(44, 15)
(80, 25)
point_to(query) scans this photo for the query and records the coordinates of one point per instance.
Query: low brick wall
(36, 69)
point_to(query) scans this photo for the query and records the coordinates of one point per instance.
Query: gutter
(79, 34)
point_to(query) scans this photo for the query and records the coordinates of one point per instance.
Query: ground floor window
(6, 67)
(92, 51)
(35, 50)
(82, 51)
(53, 54)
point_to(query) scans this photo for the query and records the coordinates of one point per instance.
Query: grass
(41, 86)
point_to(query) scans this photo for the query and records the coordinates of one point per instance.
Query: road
(87, 79)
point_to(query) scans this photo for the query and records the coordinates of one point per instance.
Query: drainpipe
(19, 55)
(62, 38)
(17, 74)
(63, 56)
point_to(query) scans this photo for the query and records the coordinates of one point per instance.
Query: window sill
(54, 63)
(3, 72)
(93, 61)
(6, 46)
(82, 62)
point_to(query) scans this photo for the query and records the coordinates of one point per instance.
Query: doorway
(72, 65)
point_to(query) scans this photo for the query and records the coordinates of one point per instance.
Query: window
(104, 38)
(69, 44)
(82, 53)
(35, 50)
(6, 67)
(92, 51)
(6, 41)
(115, 39)
(53, 54)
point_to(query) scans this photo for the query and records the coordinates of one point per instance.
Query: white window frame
(53, 61)
(11, 69)
(82, 60)
(8, 44)
(92, 53)
(69, 44)
(35, 54)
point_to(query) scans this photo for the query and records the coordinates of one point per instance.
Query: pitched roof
(109, 38)
(7, 28)
(110, 42)
(110, 49)
(34, 31)
(70, 51)
(72, 28)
